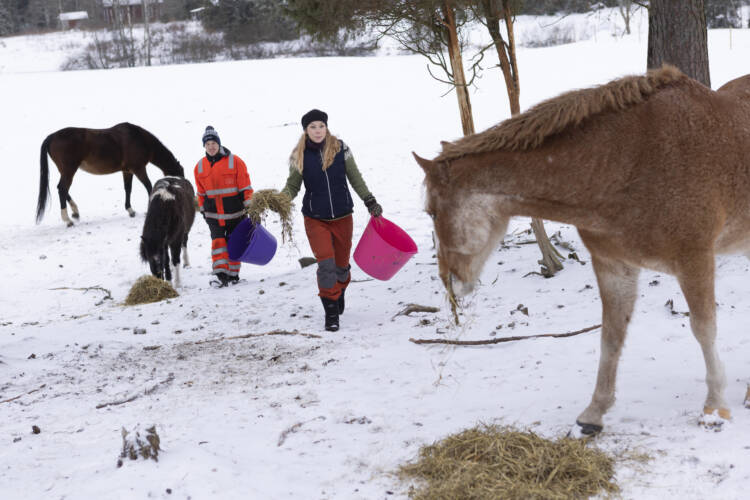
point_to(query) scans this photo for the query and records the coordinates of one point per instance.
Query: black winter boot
(331, 308)
(341, 301)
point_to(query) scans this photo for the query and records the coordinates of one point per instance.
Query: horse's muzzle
(460, 288)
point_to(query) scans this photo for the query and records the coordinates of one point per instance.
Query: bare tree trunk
(457, 66)
(147, 32)
(626, 12)
(677, 35)
(506, 53)
(131, 41)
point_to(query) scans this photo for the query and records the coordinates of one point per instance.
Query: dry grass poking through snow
(490, 462)
(147, 289)
(270, 199)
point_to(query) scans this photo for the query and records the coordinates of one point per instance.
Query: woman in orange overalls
(224, 191)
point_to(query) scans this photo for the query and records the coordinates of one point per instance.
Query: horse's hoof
(714, 418)
(583, 431)
(131, 212)
(747, 397)
(69, 224)
(75, 215)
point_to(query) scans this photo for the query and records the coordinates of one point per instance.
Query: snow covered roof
(74, 16)
(108, 3)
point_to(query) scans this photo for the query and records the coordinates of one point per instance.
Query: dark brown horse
(125, 147)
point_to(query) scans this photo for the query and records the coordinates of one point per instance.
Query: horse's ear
(432, 168)
(444, 143)
(423, 162)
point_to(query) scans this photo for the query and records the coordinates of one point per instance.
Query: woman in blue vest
(324, 164)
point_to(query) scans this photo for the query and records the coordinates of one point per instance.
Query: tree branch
(21, 395)
(86, 289)
(135, 396)
(501, 339)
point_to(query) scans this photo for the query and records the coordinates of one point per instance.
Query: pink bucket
(383, 249)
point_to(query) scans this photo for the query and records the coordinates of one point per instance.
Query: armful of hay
(270, 199)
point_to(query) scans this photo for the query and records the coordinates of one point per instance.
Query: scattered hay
(490, 462)
(149, 289)
(270, 199)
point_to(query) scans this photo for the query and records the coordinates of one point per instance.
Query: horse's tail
(43, 180)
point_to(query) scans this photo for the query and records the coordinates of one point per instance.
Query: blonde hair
(330, 150)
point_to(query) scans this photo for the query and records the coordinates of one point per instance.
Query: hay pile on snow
(149, 289)
(490, 462)
(138, 442)
(270, 199)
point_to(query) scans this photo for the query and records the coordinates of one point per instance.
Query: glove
(373, 206)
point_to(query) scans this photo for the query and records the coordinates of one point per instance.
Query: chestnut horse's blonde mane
(529, 130)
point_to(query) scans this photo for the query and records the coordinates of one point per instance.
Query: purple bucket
(383, 248)
(251, 243)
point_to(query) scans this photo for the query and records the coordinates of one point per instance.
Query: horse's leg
(696, 278)
(143, 177)
(127, 179)
(166, 264)
(73, 207)
(175, 249)
(185, 251)
(618, 287)
(62, 190)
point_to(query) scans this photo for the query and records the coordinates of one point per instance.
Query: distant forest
(248, 21)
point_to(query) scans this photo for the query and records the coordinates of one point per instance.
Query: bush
(249, 21)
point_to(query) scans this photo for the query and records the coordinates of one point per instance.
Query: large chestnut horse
(125, 147)
(653, 170)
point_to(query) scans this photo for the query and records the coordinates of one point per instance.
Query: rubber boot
(341, 301)
(331, 308)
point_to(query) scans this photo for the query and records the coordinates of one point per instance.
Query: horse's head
(468, 225)
(152, 250)
(176, 169)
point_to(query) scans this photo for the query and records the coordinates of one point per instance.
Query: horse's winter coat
(168, 221)
(654, 171)
(124, 147)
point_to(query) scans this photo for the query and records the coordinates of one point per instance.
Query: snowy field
(331, 415)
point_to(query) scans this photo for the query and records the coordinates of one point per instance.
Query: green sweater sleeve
(354, 176)
(293, 182)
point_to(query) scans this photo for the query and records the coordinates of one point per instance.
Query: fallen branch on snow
(502, 339)
(293, 429)
(21, 395)
(413, 308)
(86, 289)
(251, 335)
(146, 392)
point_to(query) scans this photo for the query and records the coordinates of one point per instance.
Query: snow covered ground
(330, 415)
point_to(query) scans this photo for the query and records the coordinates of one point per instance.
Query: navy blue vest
(326, 192)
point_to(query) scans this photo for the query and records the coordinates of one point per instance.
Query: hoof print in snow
(139, 331)
(140, 443)
(360, 421)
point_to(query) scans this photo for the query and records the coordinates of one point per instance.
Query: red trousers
(331, 243)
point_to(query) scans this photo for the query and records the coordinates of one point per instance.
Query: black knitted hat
(211, 135)
(314, 115)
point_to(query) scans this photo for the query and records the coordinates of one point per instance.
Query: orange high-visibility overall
(224, 191)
